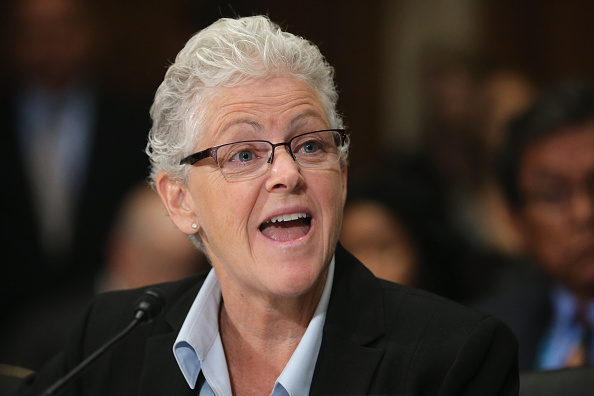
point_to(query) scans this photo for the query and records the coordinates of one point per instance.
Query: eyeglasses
(558, 198)
(251, 158)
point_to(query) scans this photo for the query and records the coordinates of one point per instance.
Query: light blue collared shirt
(72, 115)
(55, 136)
(564, 333)
(198, 347)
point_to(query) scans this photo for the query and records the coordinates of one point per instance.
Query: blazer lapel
(347, 362)
(161, 375)
(344, 368)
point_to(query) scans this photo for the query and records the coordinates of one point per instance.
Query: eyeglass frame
(211, 152)
(563, 196)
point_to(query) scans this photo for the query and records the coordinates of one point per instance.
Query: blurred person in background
(546, 169)
(501, 95)
(464, 108)
(377, 237)
(395, 223)
(72, 146)
(144, 248)
(392, 224)
(449, 144)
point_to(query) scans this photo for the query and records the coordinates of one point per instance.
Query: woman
(249, 157)
(268, 217)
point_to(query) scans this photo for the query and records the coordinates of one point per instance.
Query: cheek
(331, 197)
(237, 206)
(224, 211)
(548, 243)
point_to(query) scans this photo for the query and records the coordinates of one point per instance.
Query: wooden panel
(549, 40)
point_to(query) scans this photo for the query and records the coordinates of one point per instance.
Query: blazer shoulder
(419, 309)
(397, 310)
(113, 309)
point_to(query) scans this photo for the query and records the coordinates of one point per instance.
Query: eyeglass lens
(251, 158)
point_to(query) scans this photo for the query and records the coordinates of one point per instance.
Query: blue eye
(245, 156)
(310, 147)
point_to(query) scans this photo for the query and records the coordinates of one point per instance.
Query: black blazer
(526, 309)
(379, 338)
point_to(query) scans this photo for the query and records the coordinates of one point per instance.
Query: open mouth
(286, 227)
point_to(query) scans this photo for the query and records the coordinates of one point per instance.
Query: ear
(177, 200)
(344, 175)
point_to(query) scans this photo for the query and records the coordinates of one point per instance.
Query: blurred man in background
(71, 148)
(546, 168)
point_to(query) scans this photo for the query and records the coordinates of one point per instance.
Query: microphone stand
(90, 359)
(148, 306)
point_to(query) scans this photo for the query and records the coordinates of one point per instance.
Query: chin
(295, 283)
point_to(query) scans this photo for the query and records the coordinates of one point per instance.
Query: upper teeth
(287, 217)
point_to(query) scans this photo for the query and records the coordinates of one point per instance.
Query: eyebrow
(247, 121)
(242, 121)
(296, 122)
(307, 115)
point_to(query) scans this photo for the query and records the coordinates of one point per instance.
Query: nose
(583, 208)
(284, 173)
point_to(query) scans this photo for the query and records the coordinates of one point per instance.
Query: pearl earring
(194, 225)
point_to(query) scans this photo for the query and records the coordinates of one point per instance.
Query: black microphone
(147, 307)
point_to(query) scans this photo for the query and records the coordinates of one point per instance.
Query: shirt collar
(200, 332)
(565, 305)
(298, 373)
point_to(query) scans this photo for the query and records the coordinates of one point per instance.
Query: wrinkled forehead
(258, 108)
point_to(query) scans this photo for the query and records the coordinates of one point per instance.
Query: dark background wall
(150, 33)
(549, 40)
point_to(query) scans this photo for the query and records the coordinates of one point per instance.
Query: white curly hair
(227, 53)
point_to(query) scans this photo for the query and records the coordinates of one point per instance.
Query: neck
(269, 319)
(260, 335)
